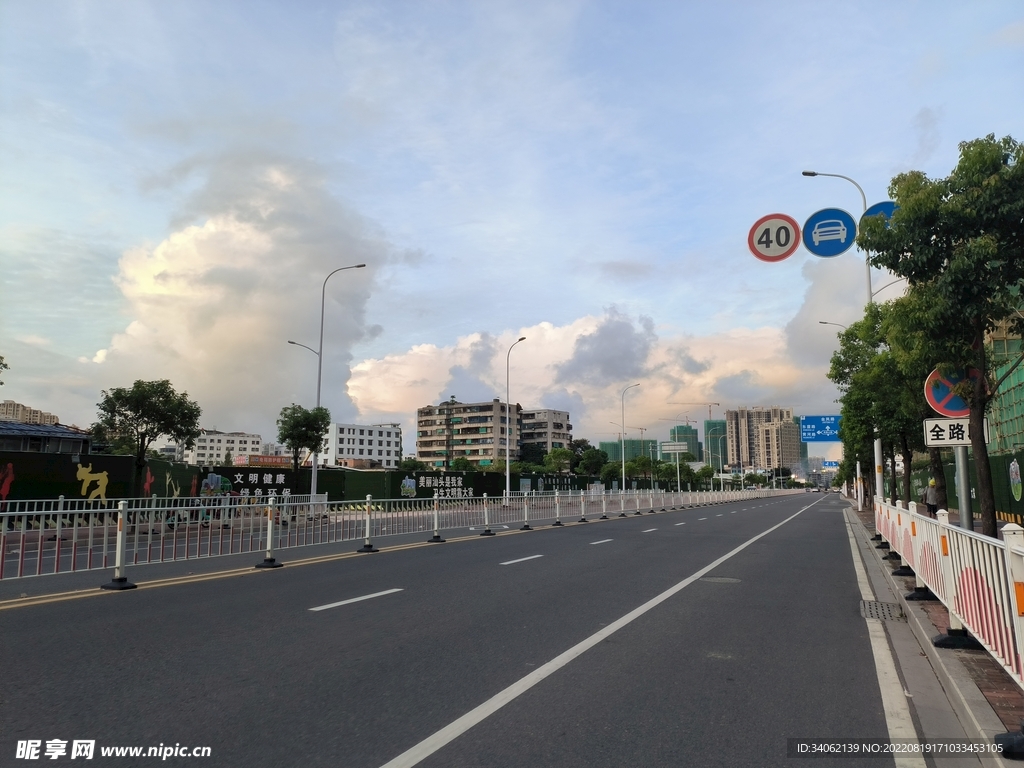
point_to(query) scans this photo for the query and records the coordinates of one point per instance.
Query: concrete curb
(969, 703)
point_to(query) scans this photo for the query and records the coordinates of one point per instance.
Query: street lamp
(319, 352)
(826, 322)
(871, 298)
(721, 458)
(508, 423)
(622, 437)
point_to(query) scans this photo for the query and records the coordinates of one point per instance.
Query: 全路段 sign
(946, 433)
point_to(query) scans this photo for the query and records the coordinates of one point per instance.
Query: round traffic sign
(829, 232)
(774, 237)
(938, 392)
(885, 208)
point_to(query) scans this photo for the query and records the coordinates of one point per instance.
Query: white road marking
(355, 599)
(602, 541)
(480, 527)
(453, 730)
(680, 523)
(702, 518)
(649, 530)
(719, 514)
(733, 512)
(521, 560)
(894, 701)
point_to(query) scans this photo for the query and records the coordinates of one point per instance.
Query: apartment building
(363, 446)
(547, 428)
(24, 414)
(215, 447)
(743, 434)
(779, 445)
(478, 432)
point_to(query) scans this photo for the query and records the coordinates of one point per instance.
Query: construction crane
(707, 404)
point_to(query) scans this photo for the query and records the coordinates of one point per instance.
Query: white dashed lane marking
(521, 560)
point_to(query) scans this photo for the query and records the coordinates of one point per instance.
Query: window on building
(361, 442)
(360, 451)
(360, 432)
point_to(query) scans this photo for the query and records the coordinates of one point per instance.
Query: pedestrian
(931, 498)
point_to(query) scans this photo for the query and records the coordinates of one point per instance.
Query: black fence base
(638, 512)
(603, 517)
(883, 545)
(583, 520)
(268, 562)
(118, 584)
(957, 638)
(920, 593)
(487, 532)
(903, 570)
(556, 524)
(367, 548)
(526, 527)
(622, 514)
(1012, 744)
(435, 539)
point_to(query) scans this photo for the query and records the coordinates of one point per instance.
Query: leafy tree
(461, 464)
(524, 468)
(227, 458)
(592, 461)
(558, 460)
(299, 428)
(578, 448)
(959, 241)
(686, 457)
(703, 475)
(412, 465)
(532, 453)
(611, 472)
(131, 420)
(755, 479)
(3, 367)
(641, 466)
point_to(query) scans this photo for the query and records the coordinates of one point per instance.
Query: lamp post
(508, 424)
(320, 359)
(622, 437)
(871, 298)
(721, 458)
(826, 322)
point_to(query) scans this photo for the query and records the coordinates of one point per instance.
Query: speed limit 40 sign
(774, 237)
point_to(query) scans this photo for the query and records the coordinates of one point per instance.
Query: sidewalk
(985, 699)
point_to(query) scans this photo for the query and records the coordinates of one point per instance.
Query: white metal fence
(980, 580)
(59, 535)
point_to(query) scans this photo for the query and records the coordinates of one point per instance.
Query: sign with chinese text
(819, 429)
(947, 433)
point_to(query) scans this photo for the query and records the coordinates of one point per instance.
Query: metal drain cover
(720, 580)
(873, 609)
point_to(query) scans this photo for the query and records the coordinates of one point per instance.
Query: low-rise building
(546, 427)
(213, 447)
(475, 431)
(363, 446)
(24, 414)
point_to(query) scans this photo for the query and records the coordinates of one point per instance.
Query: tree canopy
(559, 460)
(299, 428)
(132, 419)
(3, 367)
(959, 242)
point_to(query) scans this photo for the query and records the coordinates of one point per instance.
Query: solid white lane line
(894, 701)
(521, 560)
(602, 541)
(355, 599)
(649, 530)
(453, 730)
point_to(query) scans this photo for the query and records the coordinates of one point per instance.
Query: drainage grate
(872, 609)
(720, 580)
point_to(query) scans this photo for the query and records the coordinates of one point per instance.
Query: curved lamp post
(319, 352)
(622, 445)
(508, 424)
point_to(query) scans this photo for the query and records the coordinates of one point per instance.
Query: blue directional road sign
(829, 232)
(886, 208)
(830, 465)
(819, 429)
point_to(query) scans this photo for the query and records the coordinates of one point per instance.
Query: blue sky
(177, 178)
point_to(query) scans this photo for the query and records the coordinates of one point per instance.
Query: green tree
(3, 367)
(591, 462)
(532, 453)
(299, 428)
(611, 472)
(960, 242)
(412, 465)
(461, 464)
(558, 460)
(578, 448)
(641, 466)
(703, 475)
(132, 419)
(227, 458)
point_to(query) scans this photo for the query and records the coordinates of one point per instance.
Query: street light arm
(297, 344)
(508, 423)
(323, 300)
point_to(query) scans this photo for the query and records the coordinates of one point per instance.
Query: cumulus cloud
(213, 305)
(616, 350)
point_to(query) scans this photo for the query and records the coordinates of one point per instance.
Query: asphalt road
(768, 645)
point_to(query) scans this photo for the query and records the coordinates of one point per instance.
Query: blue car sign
(829, 232)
